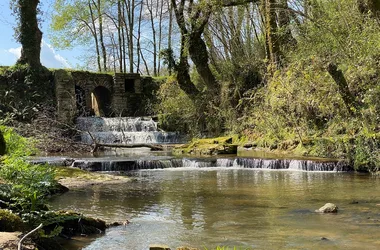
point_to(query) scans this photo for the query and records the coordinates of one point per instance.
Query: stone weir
(123, 130)
(128, 164)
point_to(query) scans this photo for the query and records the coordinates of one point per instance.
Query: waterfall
(167, 162)
(195, 163)
(123, 130)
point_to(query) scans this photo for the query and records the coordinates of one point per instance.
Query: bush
(29, 184)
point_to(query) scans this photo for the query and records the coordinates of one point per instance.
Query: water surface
(254, 209)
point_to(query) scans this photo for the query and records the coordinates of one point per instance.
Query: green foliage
(301, 102)
(29, 184)
(24, 91)
(16, 144)
(176, 110)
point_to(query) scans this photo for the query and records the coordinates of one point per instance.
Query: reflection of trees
(235, 205)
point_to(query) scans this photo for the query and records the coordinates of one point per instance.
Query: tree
(2, 144)
(28, 32)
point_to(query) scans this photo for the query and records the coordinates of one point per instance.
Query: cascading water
(127, 164)
(123, 130)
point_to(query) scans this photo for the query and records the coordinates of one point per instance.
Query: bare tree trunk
(138, 39)
(160, 34)
(154, 42)
(101, 38)
(170, 66)
(123, 38)
(130, 7)
(120, 35)
(145, 63)
(95, 37)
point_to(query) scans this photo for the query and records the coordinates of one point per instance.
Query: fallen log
(138, 145)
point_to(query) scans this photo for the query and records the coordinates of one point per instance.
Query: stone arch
(101, 100)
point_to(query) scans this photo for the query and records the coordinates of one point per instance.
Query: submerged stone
(328, 208)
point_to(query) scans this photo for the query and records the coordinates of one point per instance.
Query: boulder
(328, 208)
(2, 144)
(10, 222)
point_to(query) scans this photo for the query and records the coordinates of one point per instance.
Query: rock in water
(158, 247)
(328, 208)
(2, 144)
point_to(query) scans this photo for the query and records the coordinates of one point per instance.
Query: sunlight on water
(233, 207)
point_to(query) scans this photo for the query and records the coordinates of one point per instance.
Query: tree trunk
(373, 6)
(286, 38)
(2, 144)
(154, 42)
(95, 37)
(119, 35)
(138, 39)
(183, 76)
(271, 32)
(170, 65)
(104, 52)
(30, 35)
(344, 91)
(199, 55)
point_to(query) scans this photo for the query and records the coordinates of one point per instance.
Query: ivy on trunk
(28, 32)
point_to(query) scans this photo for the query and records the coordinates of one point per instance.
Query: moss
(71, 223)
(10, 222)
(210, 146)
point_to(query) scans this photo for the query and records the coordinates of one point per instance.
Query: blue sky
(10, 48)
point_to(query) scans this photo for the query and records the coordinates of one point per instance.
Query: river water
(248, 208)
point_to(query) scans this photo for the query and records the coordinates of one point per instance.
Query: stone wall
(127, 96)
(65, 95)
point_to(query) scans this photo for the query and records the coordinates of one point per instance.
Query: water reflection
(235, 207)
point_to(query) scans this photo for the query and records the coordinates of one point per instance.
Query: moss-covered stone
(10, 222)
(213, 146)
(72, 223)
(2, 144)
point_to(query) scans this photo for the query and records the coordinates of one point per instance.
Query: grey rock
(328, 208)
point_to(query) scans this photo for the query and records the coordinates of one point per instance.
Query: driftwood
(138, 145)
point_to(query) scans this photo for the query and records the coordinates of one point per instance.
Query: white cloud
(49, 57)
(16, 52)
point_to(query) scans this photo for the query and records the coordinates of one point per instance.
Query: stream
(245, 201)
(220, 206)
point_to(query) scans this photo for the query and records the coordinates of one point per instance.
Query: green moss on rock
(212, 146)
(72, 223)
(10, 222)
